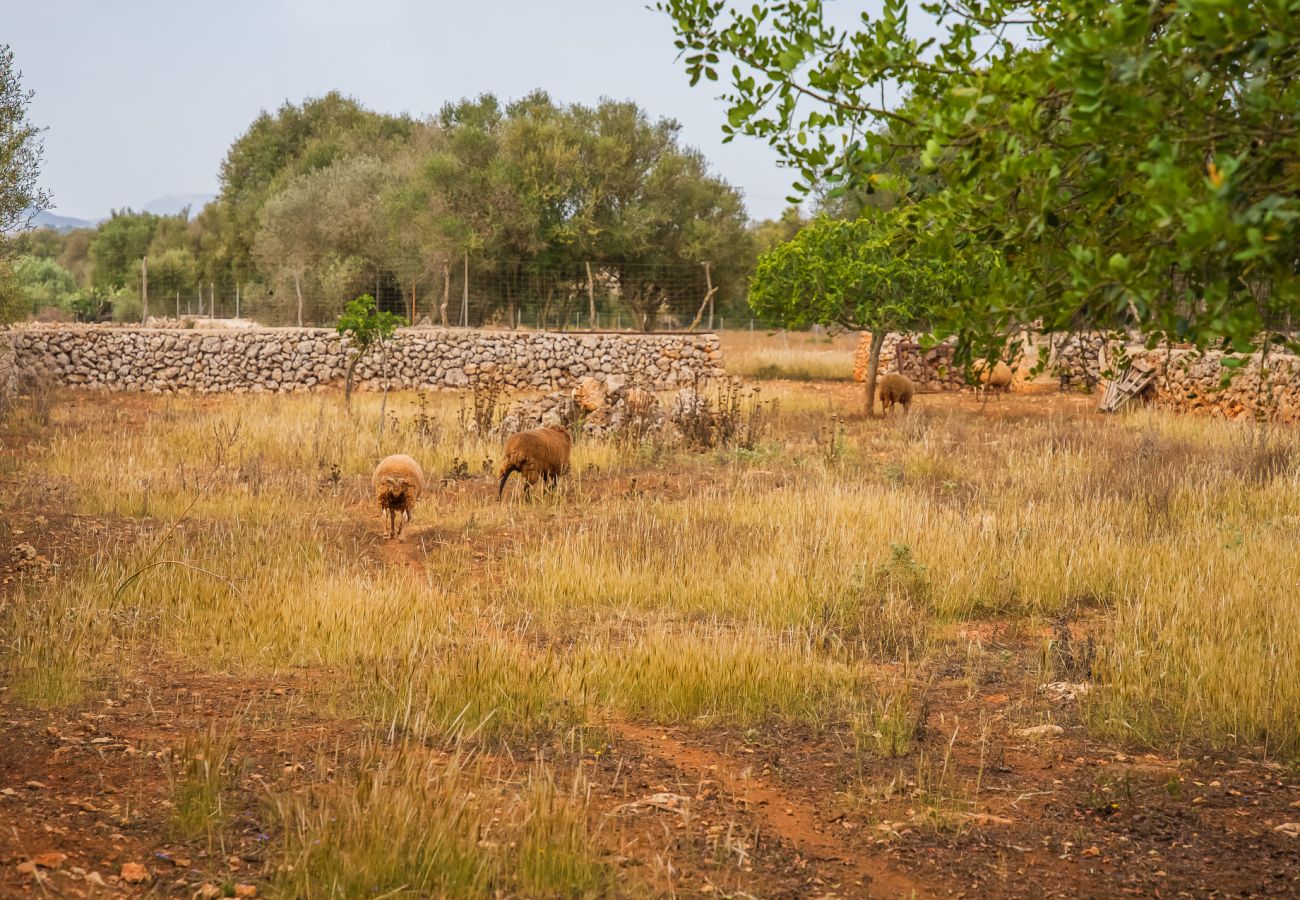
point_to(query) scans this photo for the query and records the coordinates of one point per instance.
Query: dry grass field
(790, 355)
(1002, 649)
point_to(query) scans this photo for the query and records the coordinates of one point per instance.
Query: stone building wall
(296, 359)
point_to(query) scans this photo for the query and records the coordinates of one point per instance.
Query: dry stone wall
(1191, 382)
(1186, 381)
(8, 369)
(298, 359)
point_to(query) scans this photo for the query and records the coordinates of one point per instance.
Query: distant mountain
(47, 219)
(170, 205)
(174, 203)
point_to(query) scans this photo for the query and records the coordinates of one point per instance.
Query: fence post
(144, 289)
(708, 281)
(464, 301)
(236, 299)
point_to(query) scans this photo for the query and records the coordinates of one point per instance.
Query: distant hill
(47, 219)
(174, 203)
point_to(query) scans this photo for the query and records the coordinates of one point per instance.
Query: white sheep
(398, 482)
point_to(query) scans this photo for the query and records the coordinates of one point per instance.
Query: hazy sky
(142, 98)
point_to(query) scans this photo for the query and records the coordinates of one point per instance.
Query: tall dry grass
(797, 356)
(735, 586)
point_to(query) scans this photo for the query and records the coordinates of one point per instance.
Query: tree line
(325, 200)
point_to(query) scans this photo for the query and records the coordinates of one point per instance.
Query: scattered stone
(1064, 691)
(134, 873)
(590, 394)
(50, 860)
(245, 890)
(663, 800)
(1290, 829)
(1041, 732)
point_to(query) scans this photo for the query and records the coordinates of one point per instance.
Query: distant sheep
(537, 454)
(895, 388)
(398, 482)
(998, 379)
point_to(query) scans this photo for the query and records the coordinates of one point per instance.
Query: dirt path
(788, 817)
(408, 551)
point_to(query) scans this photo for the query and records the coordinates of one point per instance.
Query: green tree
(326, 222)
(20, 166)
(861, 275)
(45, 284)
(657, 208)
(276, 149)
(20, 150)
(1131, 163)
(366, 328)
(771, 233)
(117, 247)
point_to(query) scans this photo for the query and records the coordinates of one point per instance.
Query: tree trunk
(297, 289)
(446, 292)
(873, 365)
(348, 381)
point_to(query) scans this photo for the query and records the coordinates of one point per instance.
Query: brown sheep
(538, 454)
(998, 379)
(398, 482)
(895, 388)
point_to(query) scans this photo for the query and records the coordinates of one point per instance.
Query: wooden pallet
(1132, 381)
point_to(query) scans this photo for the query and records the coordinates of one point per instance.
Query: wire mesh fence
(452, 292)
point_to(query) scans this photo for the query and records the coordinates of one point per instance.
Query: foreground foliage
(1132, 164)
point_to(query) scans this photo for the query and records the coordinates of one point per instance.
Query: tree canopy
(1132, 164)
(20, 166)
(551, 203)
(864, 274)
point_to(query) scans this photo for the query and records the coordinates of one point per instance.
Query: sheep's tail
(507, 468)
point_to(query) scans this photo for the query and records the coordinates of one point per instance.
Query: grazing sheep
(398, 482)
(539, 453)
(895, 388)
(998, 379)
